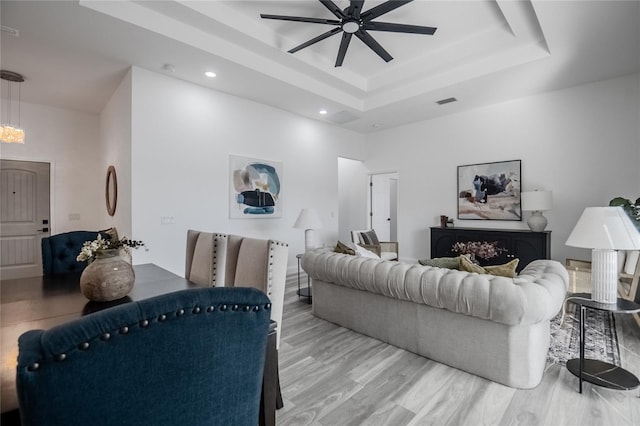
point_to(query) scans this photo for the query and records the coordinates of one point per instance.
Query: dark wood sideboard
(523, 244)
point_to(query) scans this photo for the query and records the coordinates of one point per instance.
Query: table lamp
(308, 220)
(537, 202)
(604, 230)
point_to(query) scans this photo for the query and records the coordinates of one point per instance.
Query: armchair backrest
(190, 357)
(224, 260)
(365, 237)
(59, 251)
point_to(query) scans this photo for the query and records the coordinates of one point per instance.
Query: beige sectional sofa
(494, 327)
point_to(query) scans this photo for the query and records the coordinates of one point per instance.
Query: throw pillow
(370, 238)
(467, 265)
(442, 262)
(366, 253)
(344, 249)
(507, 270)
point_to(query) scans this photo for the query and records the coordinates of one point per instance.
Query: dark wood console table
(524, 244)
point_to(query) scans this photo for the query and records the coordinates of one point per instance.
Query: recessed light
(210, 74)
(322, 112)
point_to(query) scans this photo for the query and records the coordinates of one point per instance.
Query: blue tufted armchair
(59, 251)
(193, 357)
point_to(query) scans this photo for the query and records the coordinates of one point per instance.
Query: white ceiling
(74, 55)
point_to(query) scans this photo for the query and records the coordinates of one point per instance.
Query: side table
(594, 371)
(305, 291)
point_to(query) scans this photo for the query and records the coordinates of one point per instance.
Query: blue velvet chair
(59, 251)
(193, 357)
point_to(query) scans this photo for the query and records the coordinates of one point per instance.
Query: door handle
(45, 230)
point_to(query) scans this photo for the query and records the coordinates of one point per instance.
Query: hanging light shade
(10, 132)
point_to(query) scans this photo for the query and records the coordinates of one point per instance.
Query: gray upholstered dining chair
(192, 357)
(222, 260)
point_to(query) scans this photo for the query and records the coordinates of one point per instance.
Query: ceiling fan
(352, 20)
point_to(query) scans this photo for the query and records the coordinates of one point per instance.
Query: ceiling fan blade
(355, 8)
(316, 39)
(333, 8)
(301, 19)
(344, 44)
(373, 45)
(398, 28)
(383, 8)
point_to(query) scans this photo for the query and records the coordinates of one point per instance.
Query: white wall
(582, 143)
(182, 135)
(68, 140)
(115, 149)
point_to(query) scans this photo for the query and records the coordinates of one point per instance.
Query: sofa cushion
(442, 262)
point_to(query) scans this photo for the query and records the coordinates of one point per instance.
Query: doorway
(24, 216)
(383, 205)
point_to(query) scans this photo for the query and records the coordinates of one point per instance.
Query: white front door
(24, 217)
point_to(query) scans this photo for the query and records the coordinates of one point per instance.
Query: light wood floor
(333, 376)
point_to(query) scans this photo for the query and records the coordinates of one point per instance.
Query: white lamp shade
(537, 200)
(604, 228)
(308, 219)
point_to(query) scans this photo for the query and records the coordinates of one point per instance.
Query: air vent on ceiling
(9, 30)
(342, 117)
(446, 101)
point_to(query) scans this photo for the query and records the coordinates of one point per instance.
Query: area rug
(601, 340)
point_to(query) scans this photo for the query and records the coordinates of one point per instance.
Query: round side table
(594, 371)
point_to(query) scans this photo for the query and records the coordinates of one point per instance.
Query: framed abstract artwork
(254, 188)
(490, 191)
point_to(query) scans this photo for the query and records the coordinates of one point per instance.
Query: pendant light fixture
(9, 132)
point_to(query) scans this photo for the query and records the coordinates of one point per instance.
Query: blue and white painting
(490, 191)
(255, 188)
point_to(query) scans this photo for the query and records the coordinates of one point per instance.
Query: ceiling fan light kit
(352, 21)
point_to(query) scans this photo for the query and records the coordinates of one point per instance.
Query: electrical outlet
(74, 216)
(167, 220)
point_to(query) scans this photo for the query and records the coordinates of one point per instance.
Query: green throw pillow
(507, 270)
(442, 262)
(467, 265)
(344, 249)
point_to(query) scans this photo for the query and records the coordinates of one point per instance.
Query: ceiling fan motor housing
(350, 26)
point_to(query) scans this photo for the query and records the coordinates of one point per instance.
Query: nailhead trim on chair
(214, 272)
(123, 330)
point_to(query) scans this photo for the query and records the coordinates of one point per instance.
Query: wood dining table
(44, 302)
